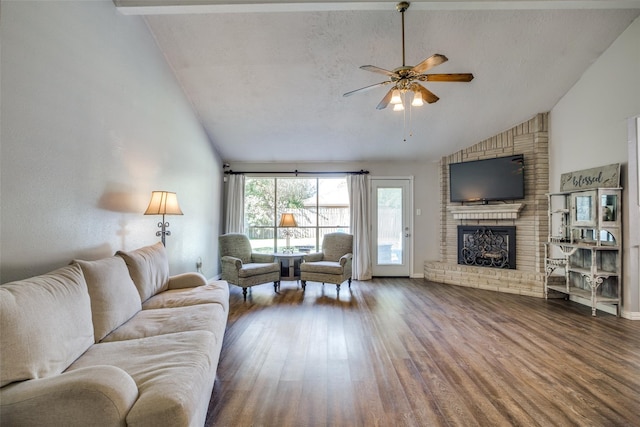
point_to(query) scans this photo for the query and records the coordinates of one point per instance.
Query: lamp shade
(163, 203)
(395, 97)
(417, 99)
(287, 220)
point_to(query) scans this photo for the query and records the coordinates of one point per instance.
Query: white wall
(426, 188)
(92, 121)
(589, 126)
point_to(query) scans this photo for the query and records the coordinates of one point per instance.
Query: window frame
(318, 230)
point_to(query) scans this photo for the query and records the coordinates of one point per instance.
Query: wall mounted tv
(501, 178)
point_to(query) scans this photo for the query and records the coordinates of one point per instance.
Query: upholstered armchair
(244, 268)
(332, 265)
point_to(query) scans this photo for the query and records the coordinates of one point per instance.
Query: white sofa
(111, 342)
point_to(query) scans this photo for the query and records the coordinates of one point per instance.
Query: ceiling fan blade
(363, 89)
(427, 95)
(385, 101)
(460, 77)
(429, 63)
(378, 70)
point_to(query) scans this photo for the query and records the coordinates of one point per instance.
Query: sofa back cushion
(114, 296)
(45, 324)
(149, 269)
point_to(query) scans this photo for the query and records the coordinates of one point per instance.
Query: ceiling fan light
(398, 107)
(395, 97)
(417, 99)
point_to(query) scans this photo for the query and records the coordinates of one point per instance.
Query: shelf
(569, 192)
(502, 211)
(587, 245)
(582, 293)
(583, 245)
(587, 272)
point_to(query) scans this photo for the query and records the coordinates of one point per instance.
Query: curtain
(234, 209)
(360, 226)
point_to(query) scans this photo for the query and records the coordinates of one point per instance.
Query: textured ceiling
(268, 86)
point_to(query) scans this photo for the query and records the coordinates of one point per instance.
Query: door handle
(407, 235)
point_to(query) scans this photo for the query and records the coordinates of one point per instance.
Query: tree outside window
(319, 205)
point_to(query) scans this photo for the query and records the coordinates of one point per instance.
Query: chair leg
(304, 284)
(276, 286)
(349, 282)
(244, 293)
(338, 288)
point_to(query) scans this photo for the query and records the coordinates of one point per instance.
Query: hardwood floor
(407, 352)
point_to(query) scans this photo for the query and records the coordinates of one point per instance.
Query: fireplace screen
(487, 246)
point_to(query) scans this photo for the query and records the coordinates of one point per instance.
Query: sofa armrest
(187, 280)
(344, 258)
(313, 257)
(258, 257)
(97, 394)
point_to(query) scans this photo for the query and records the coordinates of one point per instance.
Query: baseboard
(631, 315)
(417, 276)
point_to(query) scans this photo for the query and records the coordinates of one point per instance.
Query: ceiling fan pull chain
(410, 120)
(404, 118)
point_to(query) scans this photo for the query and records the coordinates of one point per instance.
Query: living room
(77, 170)
(94, 119)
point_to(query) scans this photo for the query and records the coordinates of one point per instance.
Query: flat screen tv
(501, 178)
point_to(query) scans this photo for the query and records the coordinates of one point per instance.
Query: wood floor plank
(407, 352)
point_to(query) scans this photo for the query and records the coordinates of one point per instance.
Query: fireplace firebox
(487, 246)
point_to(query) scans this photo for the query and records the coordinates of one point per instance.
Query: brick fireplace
(528, 217)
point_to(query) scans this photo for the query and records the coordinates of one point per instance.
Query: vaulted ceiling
(267, 79)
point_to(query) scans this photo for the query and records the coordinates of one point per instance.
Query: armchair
(332, 265)
(244, 268)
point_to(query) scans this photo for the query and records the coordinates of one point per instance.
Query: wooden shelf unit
(585, 241)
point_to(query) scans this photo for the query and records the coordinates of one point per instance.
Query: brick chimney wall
(531, 139)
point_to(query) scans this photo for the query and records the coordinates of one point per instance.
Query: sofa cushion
(216, 292)
(174, 374)
(114, 297)
(149, 269)
(45, 323)
(162, 321)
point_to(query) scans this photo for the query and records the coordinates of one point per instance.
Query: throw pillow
(149, 269)
(114, 296)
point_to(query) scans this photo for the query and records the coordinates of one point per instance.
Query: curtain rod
(297, 172)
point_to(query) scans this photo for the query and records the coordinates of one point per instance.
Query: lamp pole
(163, 231)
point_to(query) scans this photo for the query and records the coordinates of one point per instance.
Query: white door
(392, 236)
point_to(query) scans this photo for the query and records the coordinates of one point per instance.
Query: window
(319, 206)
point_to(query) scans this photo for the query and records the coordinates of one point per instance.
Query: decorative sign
(602, 177)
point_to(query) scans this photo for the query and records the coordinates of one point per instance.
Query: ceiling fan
(405, 79)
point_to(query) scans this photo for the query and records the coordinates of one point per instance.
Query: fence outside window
(319, 205)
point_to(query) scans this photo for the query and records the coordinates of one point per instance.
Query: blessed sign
(602, 177)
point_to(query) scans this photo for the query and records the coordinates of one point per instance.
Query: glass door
(391, 201)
